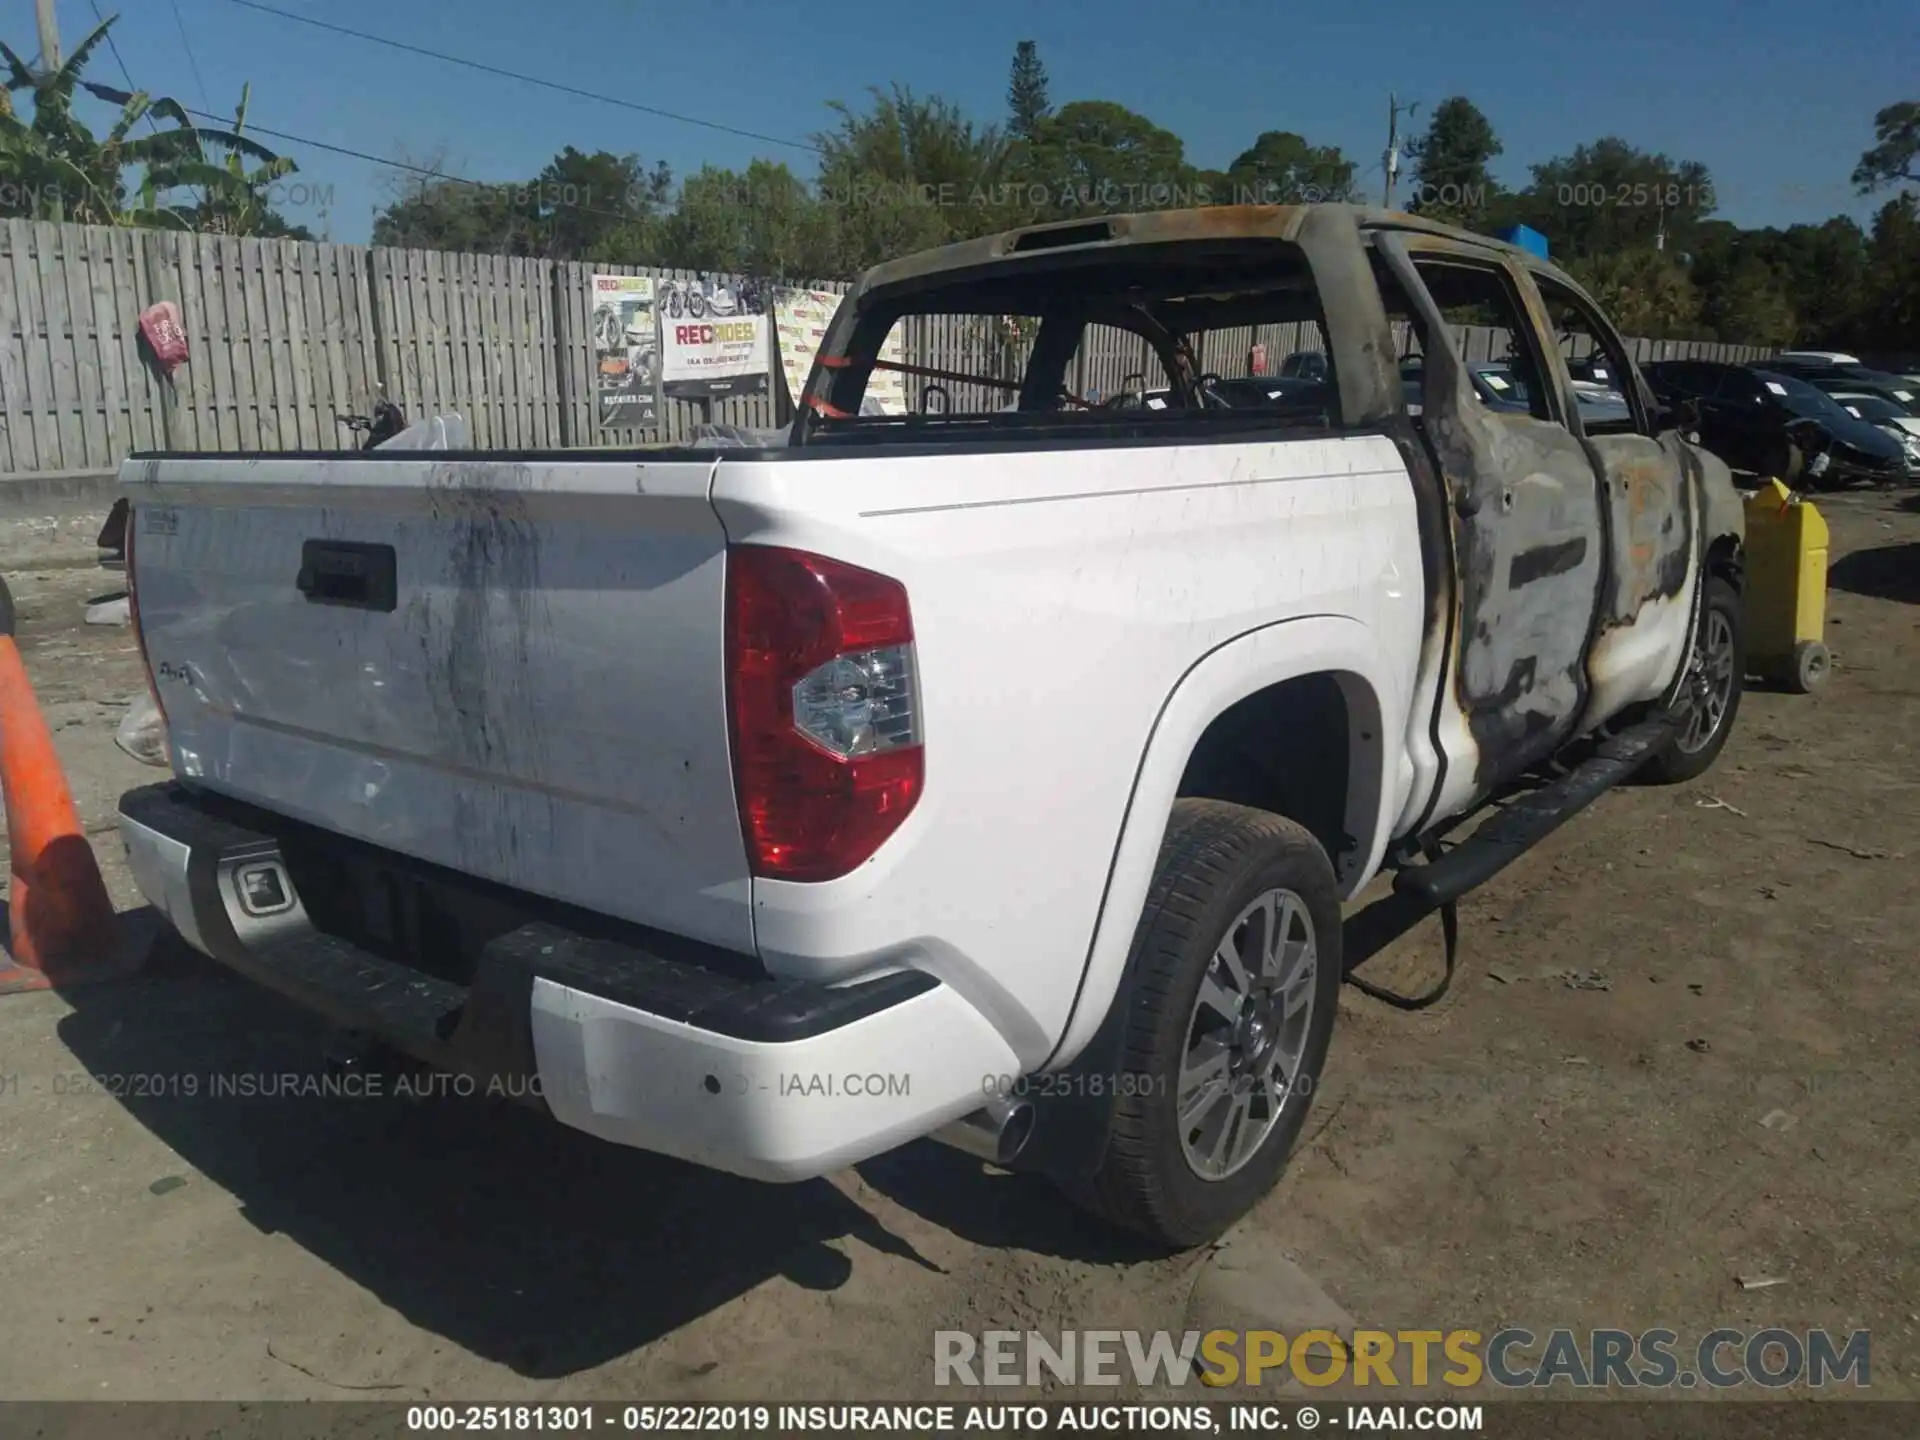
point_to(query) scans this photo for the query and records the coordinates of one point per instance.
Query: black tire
(1686, 757)
(1216, 860)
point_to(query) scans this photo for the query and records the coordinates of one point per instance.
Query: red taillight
(828, 756)
(133, 609)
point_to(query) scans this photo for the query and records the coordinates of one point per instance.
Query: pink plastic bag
(160, 323)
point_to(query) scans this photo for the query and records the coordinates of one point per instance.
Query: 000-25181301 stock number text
(1069, 1084)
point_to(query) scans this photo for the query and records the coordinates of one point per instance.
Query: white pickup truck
(999, 774)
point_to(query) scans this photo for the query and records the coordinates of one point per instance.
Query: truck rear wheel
(1236, 972)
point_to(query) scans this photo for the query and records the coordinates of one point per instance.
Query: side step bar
(1529, 819)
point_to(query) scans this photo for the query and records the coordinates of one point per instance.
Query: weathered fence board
(472, 335)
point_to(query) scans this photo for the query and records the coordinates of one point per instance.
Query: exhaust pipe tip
(997, 1132)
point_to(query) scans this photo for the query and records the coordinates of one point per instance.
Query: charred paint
(1537, 564)
(477, 635)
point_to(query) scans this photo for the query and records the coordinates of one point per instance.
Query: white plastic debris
(118, 611)
(736, 437)
(143, 733)
(441, 432)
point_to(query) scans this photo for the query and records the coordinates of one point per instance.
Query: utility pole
(49, 36)
(1390, 162)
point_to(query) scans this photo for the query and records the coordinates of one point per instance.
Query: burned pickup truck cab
(999, 770)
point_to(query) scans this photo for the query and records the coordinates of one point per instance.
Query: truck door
(1652, 491)
(1527, 530)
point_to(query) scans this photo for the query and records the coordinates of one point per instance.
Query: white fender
(1289, 650)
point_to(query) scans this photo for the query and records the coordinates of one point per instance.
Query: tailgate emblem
(264, 889)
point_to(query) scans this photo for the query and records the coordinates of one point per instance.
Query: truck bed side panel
(1059, 598)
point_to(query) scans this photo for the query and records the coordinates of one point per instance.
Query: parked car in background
(1813, 357)
(1884, 414)
(1749, 418)
(1599, 404)
(1594, 370)
(1895, 389)
(1497, 384)
(1305, 365)
(1857, 378)
(1501, 387)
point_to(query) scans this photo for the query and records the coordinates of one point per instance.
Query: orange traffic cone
(62, 923)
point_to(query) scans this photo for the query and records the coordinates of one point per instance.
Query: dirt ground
(1536, 1150)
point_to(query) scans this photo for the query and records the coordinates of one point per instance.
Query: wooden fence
(285, 336)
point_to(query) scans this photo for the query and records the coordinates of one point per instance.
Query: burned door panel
(1531, 565)
(1528, 537)
(1651, 488)
(1646, 608)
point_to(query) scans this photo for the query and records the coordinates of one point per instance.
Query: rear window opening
(1219, 337)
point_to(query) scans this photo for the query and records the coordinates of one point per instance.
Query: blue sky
(1775, 97)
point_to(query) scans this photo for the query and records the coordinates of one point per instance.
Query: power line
(411, 168)
(525, 79)
(125, 74)
(187, 45)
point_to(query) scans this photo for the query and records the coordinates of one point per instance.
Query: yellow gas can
(1786, 588)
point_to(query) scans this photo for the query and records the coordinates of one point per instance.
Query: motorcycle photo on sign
(626, 350)
(703, 299)
(714, 336)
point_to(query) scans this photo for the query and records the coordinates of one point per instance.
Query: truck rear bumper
(644, 1046)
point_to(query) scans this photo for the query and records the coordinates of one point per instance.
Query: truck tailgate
(536, 695)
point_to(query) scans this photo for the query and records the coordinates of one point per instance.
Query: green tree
(1608, 197)
(235, 200)
(1748, 304)
(1452, 181)
(581, 201)
(1281, 168)
(55, 167)
(1891, 315)
(1102, 158)
(1895, 156)
(763, 222)
(1026, 92)
(910, 173)
(1644, 291)
(434, 211)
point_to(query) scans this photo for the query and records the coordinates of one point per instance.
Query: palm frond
(167, 108)
(237, 144)
(108, 93)
(164, 217)
(19, 75)
(212, 178)
(277, 168)
(130, 114)
(77, 57)
(161, 147)
(59, 85)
